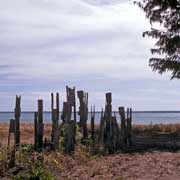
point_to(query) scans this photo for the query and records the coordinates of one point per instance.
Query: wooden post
(115, 133)
(101, 128)
(52, 104)
(11, 160)
(92, 121)
(71, 99)
(70, 137)
(108, 107)
(129, 127)
(17, 113)
(57, 105)
(40, 124)
(123, 127)
(55, 130)
(108, 126)
(74, 93)
(83, 111)
(11, 130)
(55, 120)
(35, 130)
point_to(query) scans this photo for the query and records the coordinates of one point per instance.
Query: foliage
(35, 173)
(167, 14)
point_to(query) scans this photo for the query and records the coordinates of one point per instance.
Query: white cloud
(57, 41)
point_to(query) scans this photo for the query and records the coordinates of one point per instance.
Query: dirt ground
(149, 165)
(27, 133)
(137, 166)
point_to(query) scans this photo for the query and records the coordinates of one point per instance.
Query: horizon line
(136, 111)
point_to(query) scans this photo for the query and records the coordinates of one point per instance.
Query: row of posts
(109, 134)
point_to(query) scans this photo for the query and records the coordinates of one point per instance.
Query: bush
(36, 173)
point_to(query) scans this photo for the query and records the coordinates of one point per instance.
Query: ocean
(138, 117)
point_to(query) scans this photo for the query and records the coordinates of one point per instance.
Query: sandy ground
(155, 165)
(137, 166)
(27, 133)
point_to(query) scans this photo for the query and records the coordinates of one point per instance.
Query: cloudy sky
(95, 45)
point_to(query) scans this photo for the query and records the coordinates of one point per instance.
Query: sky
(94, 45)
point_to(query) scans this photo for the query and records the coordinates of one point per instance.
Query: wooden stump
(11, 130)
(71, 99)
(70, 137)
(35, 130)
(101, 128)
(55, 121)
(57, 106)
(83, 112)
(123, 127)
(92, 121)
(129, 126)
(17, 113)
(55, 129)
(40, 125)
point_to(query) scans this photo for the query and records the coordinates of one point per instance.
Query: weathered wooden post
(115, 133)
(108, 107)
(101, 128)
(108, 128)
(92, 121)
(35, 130)
(11, 130)
(52, 104)
(83, 111)
(66, 112)
(40, 125)
(11, 160)
(129, 126)
(55, 121)
(71, 99)
(57, 106)
(70, 137)
(17, 113)
(123, 127)
(55, 129)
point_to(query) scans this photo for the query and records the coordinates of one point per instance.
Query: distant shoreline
(100, 111)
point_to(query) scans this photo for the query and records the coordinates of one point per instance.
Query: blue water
(137, 117)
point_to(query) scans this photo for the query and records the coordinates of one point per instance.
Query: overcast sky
(95, 45)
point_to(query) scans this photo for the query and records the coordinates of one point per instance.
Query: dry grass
(27, 132)
(157, 128)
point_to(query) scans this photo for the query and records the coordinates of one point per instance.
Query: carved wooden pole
(40, 124)
(17, 113)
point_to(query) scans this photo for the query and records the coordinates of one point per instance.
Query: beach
(27, 131)
(150, 164)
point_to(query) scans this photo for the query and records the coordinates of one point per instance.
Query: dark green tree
(166, 54)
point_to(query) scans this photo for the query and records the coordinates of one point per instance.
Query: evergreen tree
(167, 47)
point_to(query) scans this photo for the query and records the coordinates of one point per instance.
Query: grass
(49, 165)
(157, 128)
